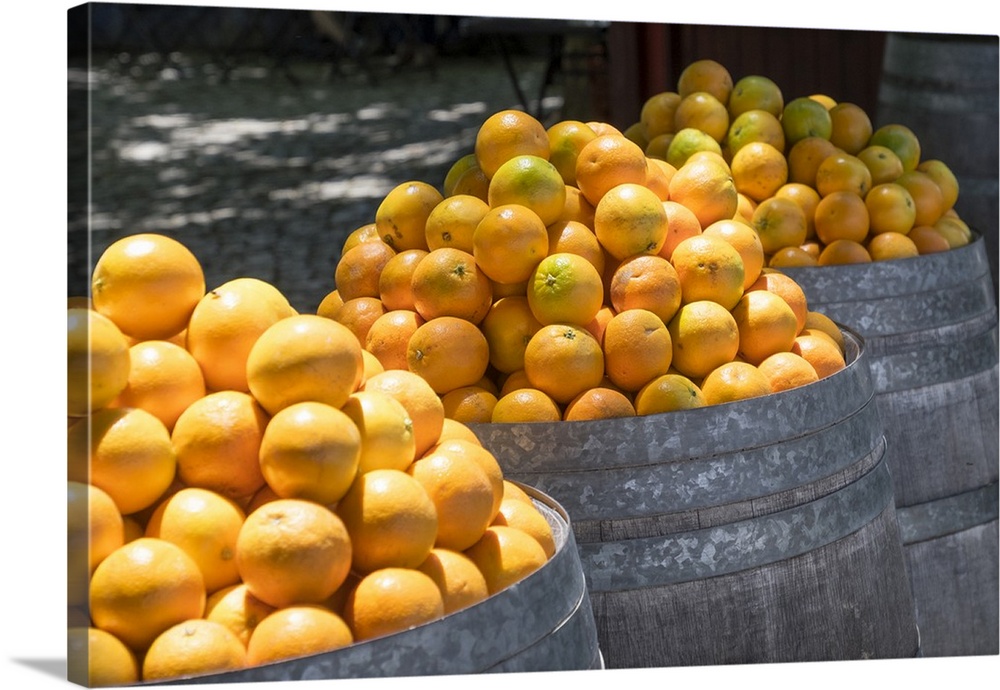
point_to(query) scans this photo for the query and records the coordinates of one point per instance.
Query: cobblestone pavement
(259, 176)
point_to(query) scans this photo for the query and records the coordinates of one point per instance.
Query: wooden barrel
(930, 325)
(747, 532)
(545, 622)
(945, 88)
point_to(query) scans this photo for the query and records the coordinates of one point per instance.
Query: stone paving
(259, 176)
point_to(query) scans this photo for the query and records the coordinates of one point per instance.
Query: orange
(827, 101)
(780, 223)
(637, 348)
(563, 360)
(401, 216)
(577, 208)
(509, 242)
(817, 321)
(147, 284)
(387, 438)
(576, 238)
(705, 74)
(513, 490)
(310, 450)
(804, 157)
(566, 139)
(512, 382)
(902, 140)
(850, 127)
(448, 352)
(656, 115)
(792, 256)
(806, 197)
(890, 208)
(391, 600)
(785, 287)
(98, 361)
(144, 588)
(126, 452)
(607, 161)
(508, 327)
(844, 251)
(461, 165)
(462, 495)
(523, 515)
(506, 555)
(293, 551)
(457, 577)
(359, 270)
(506, 134)
(668, 393)
(452, 222)
(704, 111)
(163, 379)
(469, 404)
(766, 325)
(812, 248)
(395, 288)
(823, 354)
(359, 314)
(454, 430)
(237, 609)
(706, 187)
(745, 239)
(565, 288)
(448, 282)
(658, 175)
(472, 182)
(734, 381)
(388, 336)
(421, 402)
(96, 659)
(391, 520)
(205, 524)
(927, 196)
(709, 268)
(363, 233)
(954, 229)
(891, 245)
(646, 281)
(805, 117)
(688, 141)
(841, 215)
(478, 454)
(759, 170)
(928, 239)
(598, 403)
(297, 631)
(787, 370)
(599, 323)
(193, 648)
(217, 440)
(704, 335)
(943, 175)
(264, 494)
(94, 529)
(681, 224)
(755, 92)
(304, 357)
(755, 126)
(526, 405)
(843, 172)
(629, 219)
(530, 181)
(882, 162)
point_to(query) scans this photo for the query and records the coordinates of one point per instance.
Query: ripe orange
(144, 588)
(577, 208)
(395, 289)
(448, 282)
(818, 321)
(608, 161)
(787, 370)
(96, 658)
(804, 157)
(469, 404)
(565, 288)
(902, 140)
(293, 551)
(508, 327)
(823, 354)
(576, 238)
(163, 379)
(850, 127)
(681, 224)
(843, 172)
(459, 167)
(841, 215)
(448, 353)
(646, 281)
(629, 219)
(509, 242)
(637, 348)
(928, 239)
(359, 314)
(217, 441)
(703, 111)
(927, 197)
(755, 125)
(506, 555)
(882, 162)
(421, 402)
(237, 609)
(389, 335)
(668, 393)
(954, 229)
(512, 490)
(458, 578)
(658, 175)
(779, 223)
(709, 268)
(192, 648)
(98, 361)
(943, 175)
(891, 245)
(94, 529)
(475, 452)
(566, 139)
(359, 270)
(391, 520)
(454, 430)
(705, 75)
(805, 117)
(452, 222)
(806, 197)
(304, 357)
(734, 381)
(766, 325)
(525, 405)
(506, 134)
(786, 288)
(562, 361)
(755, 92)
(401, 216)
(205, 524)
(759, 169)
(390, 600)
(844, 251)
(657, 114)
(530, 181)
(706, 187)
(599, 403)
(147, 284)
(363, 233)
(704, 335)
(297, 631)
(387, 438)
(462, 495)
(523, 515)
(890, 208)
(472, 182)
(124, 451)
(792, 256)
(746, 240)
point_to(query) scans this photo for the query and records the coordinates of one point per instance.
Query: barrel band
(946, 362)
(943, 516)
(698, 554)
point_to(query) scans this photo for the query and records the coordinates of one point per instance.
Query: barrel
(930, 324)
(945, 88)
(544, 622)
(755, 531)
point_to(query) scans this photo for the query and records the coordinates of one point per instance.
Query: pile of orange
(565, 273)
(820, 182)
(247, 485)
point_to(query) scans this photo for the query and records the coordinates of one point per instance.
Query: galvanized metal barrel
(545, 622)
(930, 325)
(755, 531)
